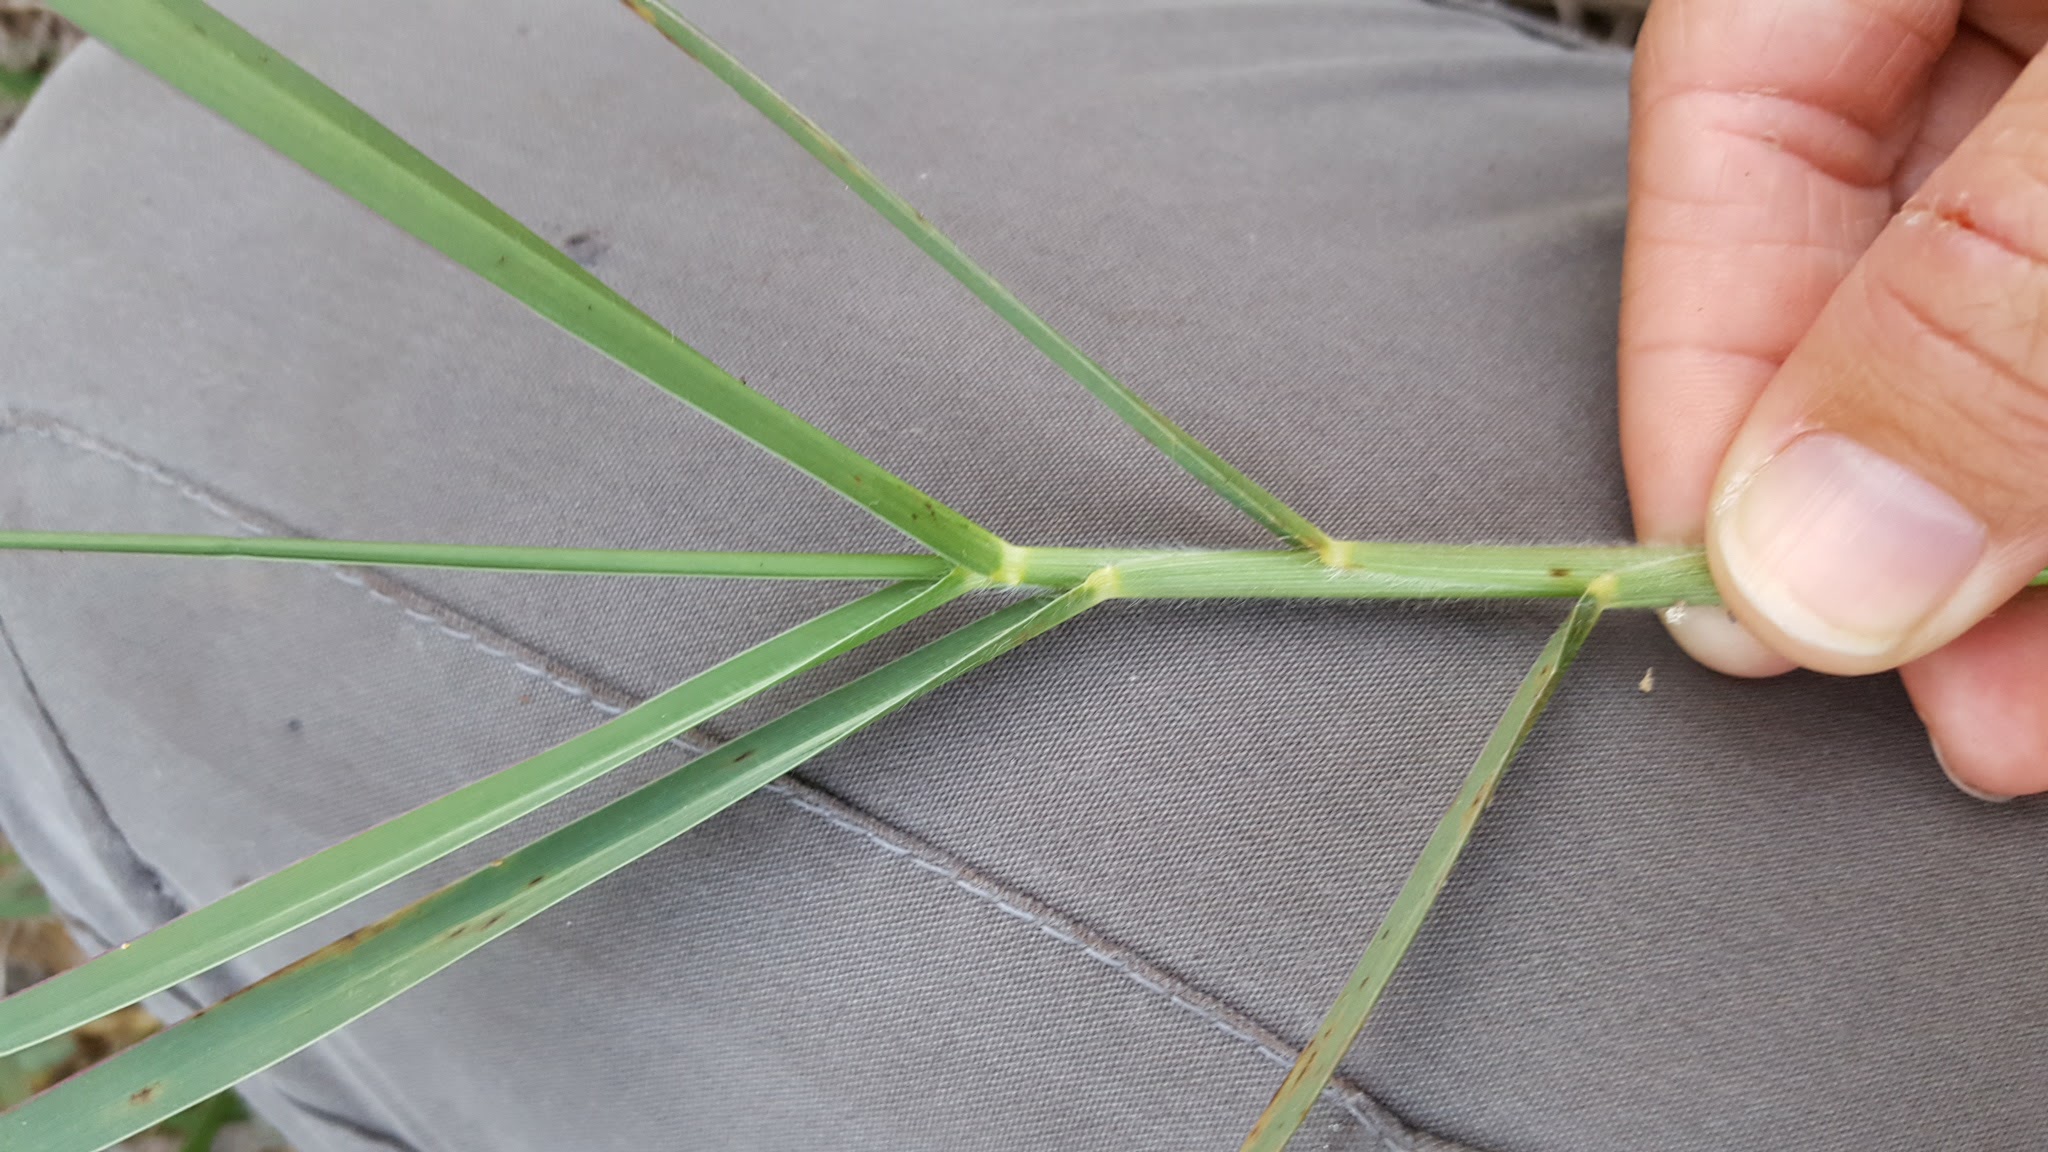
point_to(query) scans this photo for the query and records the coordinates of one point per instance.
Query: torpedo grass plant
(215, 62)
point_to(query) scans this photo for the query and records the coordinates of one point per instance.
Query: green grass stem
(1644, 577)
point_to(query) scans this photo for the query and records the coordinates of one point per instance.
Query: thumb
(1890, 487)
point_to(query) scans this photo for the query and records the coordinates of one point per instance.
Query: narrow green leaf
(1167, 436)
(303, 892)
(272, 1019)
(589, 561)
(1318, 1062)
(214, 61)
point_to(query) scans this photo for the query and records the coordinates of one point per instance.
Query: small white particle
(1648, 683)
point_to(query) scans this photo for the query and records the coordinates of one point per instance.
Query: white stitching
(1046, 920)
(1354, 1103)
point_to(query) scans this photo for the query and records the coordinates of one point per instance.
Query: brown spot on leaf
(348, 943)
(145, 1094)
(1560, 573)
(742, 757)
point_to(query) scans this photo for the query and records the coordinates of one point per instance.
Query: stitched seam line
(924, 856)
(1374, 1118)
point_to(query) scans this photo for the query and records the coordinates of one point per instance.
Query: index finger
(1764, 137)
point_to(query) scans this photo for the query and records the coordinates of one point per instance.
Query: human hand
(1833, 364)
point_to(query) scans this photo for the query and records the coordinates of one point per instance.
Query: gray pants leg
(1094, 896)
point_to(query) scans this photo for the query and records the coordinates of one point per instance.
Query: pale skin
(1834, 352)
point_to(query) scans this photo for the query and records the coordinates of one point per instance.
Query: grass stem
(1643, 576)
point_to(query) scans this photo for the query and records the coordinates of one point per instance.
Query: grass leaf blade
(1318, 1061)
(214, 61)
(1212, 470)
(272, 1019)
(497, 558)
(296, 895)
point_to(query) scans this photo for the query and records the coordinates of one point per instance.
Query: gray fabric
(1092, 896)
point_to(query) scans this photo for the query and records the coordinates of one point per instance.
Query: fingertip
(1841, 556)
(1962, 785)
(1715, 638)
(1984, 699)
